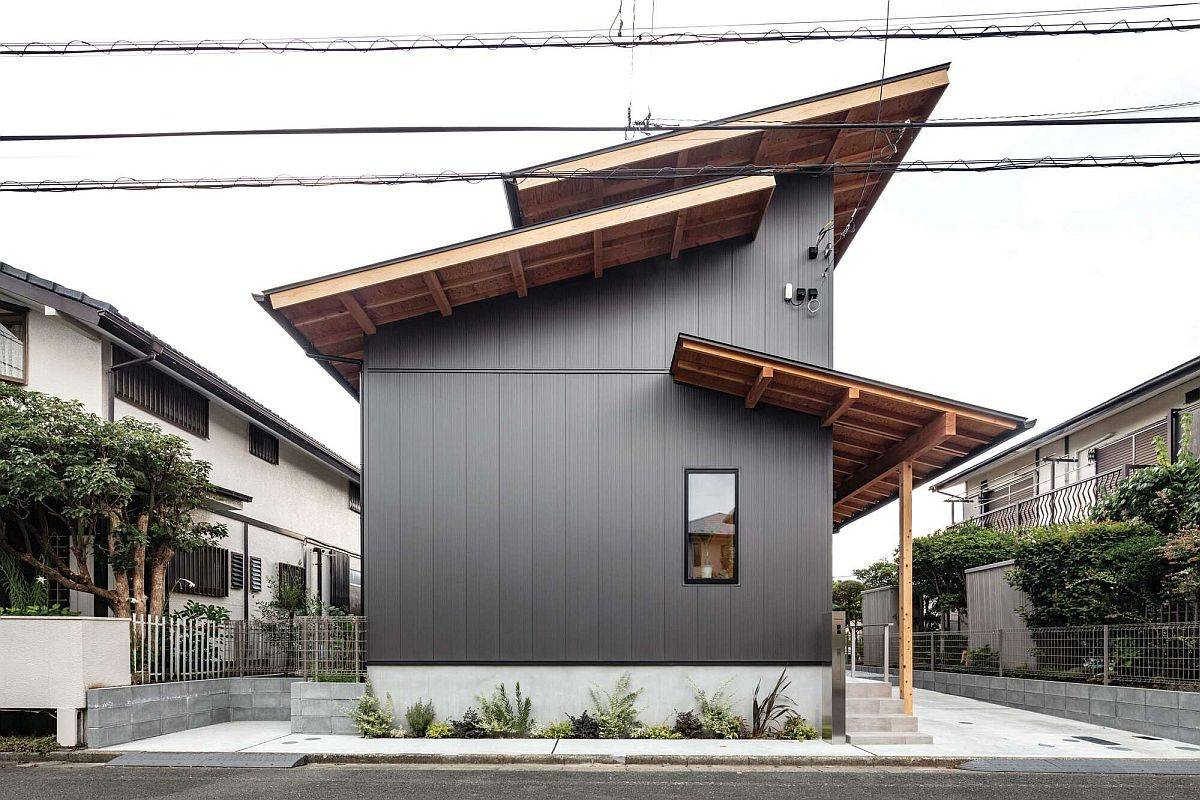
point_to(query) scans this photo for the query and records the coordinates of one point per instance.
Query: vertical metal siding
(525, 479)
(991, 602)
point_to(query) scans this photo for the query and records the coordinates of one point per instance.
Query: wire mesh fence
(319, 648)
(1165, 655)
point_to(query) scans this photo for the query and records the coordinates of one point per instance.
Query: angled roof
(909, 97)
(105, 316)
(330, 315)
(1119, 402)
(875, 426)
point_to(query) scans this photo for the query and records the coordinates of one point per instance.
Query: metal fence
(320, 648)
(1149, 655)
(1070, 503)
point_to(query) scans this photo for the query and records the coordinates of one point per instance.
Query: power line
(648, 128)
(624, 173)
(530, 41)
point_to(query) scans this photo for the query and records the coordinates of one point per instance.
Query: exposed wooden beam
(760, 385)
(351, 304)
(439, 294)
(759, 147)
(905, 604)
(940, 429)
(677, 237)
(597, 254)
(848, 398)
(518, 272)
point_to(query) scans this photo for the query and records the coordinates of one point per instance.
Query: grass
(39, 745)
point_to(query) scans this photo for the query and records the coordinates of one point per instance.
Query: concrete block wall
(1151, 712)
(325, 707)
(127, 713)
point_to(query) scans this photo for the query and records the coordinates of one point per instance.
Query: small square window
(14, 344)
(354, 494)
(264, 445)
(710, 535)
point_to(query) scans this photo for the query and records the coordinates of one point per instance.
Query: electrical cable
(875, 131)
(528, 41)
(979, 165)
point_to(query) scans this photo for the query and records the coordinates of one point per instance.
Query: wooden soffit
(910, 97)
(875, 426)
(330, 316)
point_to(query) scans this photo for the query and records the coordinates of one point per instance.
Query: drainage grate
(1110, 766)
(211, 760)
(1095, 740)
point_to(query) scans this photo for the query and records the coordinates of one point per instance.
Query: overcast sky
(1034, 292)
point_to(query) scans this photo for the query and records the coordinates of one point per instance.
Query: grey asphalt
(328, 782)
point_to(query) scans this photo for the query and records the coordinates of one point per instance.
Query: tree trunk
(158, 578)
(138, 588)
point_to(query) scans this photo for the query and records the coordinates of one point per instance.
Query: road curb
(638, 760)
(60, 756)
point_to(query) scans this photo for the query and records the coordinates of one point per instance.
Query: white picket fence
(163, 649)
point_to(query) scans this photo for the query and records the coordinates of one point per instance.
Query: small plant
(375, 720)
(438, 730)
(419, 717)
(556, 730)
(796, 728)
(616, 711)
(502, 716)
(688, 725)
(469, 727)
(584, 726)
(34, 745)
(201, 611)
(775, 706)
(656, 732)
(716, 713)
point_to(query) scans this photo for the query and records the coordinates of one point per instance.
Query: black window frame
(21, 314)
(262, 443)
(354, 496)
(737, 532)
(159, 394)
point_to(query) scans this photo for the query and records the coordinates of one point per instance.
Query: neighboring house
(289, 503)
(603, 441)
(1056, 476)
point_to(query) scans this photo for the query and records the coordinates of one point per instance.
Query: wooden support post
(905, 589)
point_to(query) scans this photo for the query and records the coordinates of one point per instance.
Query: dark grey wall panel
(525, 467)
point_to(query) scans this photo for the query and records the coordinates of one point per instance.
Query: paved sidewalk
(961, 727)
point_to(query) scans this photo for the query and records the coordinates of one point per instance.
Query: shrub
(774, 706)
(556, 730)
(201, 611)
(656, 732)
(438, 730)
(716, 713)
(616, 711)
(374, 720)
(39, 745)
(419, 717)
(1165, 496)
(796, 728)
(981, 658)
(688, 725)
(502, 716)
(584, 726)
(1089, 573)
(468, 727)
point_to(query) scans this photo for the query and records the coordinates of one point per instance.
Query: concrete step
(872, 738)
(874, 705)
(890, 723)
(868, 689)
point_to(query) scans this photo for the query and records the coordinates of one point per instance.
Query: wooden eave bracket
(518, 273)
(355, 310)
(677, 237)
(936, 431)
(439, 294)
(597, 254)
(848, 398)
(765, 375)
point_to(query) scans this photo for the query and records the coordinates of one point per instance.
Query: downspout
(246, 571)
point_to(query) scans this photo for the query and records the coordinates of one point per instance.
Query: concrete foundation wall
(558, 690)
(325, 707)
(128, 713)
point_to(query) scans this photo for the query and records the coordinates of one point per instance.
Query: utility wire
(622, 173)
(531, 41)
(648, 128)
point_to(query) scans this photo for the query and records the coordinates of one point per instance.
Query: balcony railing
(1070, 503)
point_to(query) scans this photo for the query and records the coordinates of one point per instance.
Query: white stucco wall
(51, 662)
(65, 361)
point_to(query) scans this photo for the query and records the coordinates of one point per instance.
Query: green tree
(1089, 573)
(847, 596)
(883, 572)
(940, 561)
(1165, 495)
(125, 488)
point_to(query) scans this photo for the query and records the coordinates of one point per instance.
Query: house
(289, 504)
(604, 441)
(1056, 476)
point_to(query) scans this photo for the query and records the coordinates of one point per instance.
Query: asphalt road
(321, 782)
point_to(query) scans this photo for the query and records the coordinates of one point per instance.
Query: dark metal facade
(524, 467)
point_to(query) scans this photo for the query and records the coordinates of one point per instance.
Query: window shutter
(203, 571)
(339, 581)
(156, 392)
(1114, 455)
(1143, 442)
(264, 445)
(237, 570)
(255, 574)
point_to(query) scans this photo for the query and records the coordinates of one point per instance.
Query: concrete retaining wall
(128, 713)
(1151, 712)
(325, 707)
